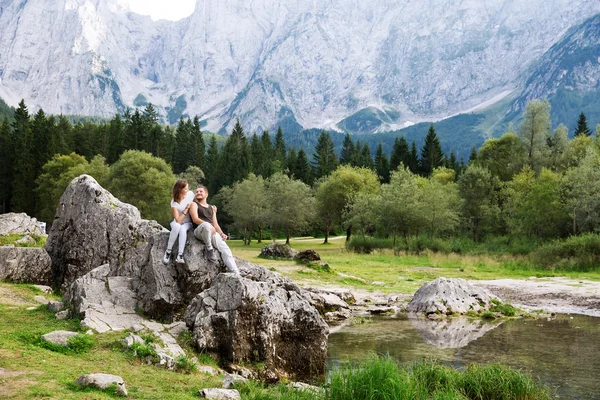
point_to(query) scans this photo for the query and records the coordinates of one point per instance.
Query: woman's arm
(179, 216)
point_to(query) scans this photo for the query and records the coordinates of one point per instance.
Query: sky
(172, 10)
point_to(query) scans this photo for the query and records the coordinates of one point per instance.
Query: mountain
(345, 64)
(568, 75)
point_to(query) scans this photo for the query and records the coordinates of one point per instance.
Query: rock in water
(103, 382)
(276, 250)
(271, 323)
(452, 333)
(450, 296)
(25, 264)
(22, 224)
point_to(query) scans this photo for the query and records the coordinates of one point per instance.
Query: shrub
(366, 244)
(578, 253)
(185, 364)
(78, 344)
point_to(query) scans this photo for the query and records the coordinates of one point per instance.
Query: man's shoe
(179, 259)
(211, 255)
(166, 257)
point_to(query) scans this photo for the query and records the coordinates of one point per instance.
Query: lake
(562, 352)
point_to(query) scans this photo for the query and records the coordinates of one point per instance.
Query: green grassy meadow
(399, 273)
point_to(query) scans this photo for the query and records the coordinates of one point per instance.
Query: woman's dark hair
(178, 188)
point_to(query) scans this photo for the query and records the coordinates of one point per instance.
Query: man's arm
(216, 224)
(194, 213)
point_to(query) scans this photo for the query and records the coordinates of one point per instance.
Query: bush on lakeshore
(382, 378)
(577, 253)
(366, 244)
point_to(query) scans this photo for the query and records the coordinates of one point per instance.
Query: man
(208, 231)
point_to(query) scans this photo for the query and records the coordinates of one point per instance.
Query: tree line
(531, 181)
(28, 142)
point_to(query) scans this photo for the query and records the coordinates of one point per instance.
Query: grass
(382, 378)
(40, 241)
(43, 373)
(401, 273)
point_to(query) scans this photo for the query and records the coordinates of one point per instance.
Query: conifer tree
(366, 159)
(116, 140)
(413, 159)
(166, 147)
(6, 165)
(256, 150)
(64, 135)
(400, 153)
(266, 168)
(582, 127)
(431, 154)
(347, 154)
(152, 130)
(382, 166)
(184, 151)
(212, 164)
(23, 169)
(473, 155)
(41, 150)
(324, 157)
(198, 144)
(302, 170)
(280, 149)
(234, 162)
(290, 162)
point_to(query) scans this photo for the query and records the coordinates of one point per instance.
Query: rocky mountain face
(568, 75)
(346, 64)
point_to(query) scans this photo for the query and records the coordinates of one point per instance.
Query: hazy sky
(162, 9)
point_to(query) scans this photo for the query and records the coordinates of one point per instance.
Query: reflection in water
(452, 333)
(562, 353)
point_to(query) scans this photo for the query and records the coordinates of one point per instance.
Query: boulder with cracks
(445, 296)
(244, 321)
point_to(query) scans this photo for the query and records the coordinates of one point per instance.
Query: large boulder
(109, 262)
(450, 296)
(268, 322)
(103, 382)
(25, 264)
(93, 228)
(18, 224)
(276, 250)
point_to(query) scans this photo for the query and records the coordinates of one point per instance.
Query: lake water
(563, 352)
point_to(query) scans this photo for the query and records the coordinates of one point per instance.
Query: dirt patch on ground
(11, 382)
(8, 296)
(559, 295)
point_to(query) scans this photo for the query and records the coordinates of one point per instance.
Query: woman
(180, 205)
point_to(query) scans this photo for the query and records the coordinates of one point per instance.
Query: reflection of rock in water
(452, 333)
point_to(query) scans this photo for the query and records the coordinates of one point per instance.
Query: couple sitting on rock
(189, 211)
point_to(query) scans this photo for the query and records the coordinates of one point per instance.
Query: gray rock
(93, 228)
(25, 264)
(26, 240)
(308, 255)
(65, 314)
(131, 339)
(219, 394)
(230, 380)
(55, 306)
(44, 288)
(276, 250)
(380, 310)
(103, 382)
(60, 338)
(208, 370)
(243, 321)
(448, 296)
(326, 301)
(336, 316)
(41, 300)
(304, 387)
(18, 224)
(452, 333)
